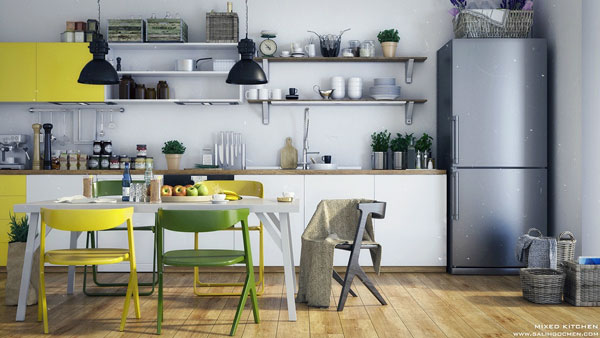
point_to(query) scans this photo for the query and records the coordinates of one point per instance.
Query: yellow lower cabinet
(18, 72)
(3, 253)
(13, 190)
(58, 67)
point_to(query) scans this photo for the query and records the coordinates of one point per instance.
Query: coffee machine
(13, 149)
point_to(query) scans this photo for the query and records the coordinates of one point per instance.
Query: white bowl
(322, 166)
(218, 197)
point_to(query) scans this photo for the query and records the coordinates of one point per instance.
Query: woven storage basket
(469, 25)
(542, 286)
(565, 248)
(222, 27)
(583, 284)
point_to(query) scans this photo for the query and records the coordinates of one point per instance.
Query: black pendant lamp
(98, 71)
(246, 71)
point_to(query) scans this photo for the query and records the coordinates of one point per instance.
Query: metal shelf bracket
(409, 112)
(410, 65)
(266, 112)
(265, 67)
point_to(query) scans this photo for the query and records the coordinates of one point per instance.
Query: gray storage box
(166, 30)
(126, 30)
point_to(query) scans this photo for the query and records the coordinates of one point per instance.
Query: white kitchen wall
(343, 132)
(559, 21)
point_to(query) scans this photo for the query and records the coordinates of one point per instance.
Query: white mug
(310, 49)
(285, 53)
(185, 65)
(263, 94)
(252, 94)
(276, 94)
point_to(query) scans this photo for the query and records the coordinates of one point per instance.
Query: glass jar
(82, 161)
(114, 162)
(122, 160)
(104, 162)
(365, 50)
(106, 148)
(94, 162)
(141, 150)
(149, 163)
(162, 90)
(355, 47)
(64, 161)
(140, 163)
(72, 160)
(371, 47)
(150, 94)
(126, 88)
(140, 91)
(347, 52)
(97, 147)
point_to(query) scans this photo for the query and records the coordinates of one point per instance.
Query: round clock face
(268, 47)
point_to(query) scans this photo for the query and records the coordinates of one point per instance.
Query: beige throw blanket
(334, 222)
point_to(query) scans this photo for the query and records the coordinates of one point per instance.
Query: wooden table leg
(27, 262)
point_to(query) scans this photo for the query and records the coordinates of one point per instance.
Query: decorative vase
(379, 160)
(389, 49)
(173, 161)
(14, 269)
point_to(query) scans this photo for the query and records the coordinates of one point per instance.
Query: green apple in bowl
(202, 189)
(191, 191)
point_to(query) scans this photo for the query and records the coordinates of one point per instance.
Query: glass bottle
(148, 177)
(162, 90)
(140, 91)
(150, 93)
(411, 155)
(126, 183)
(126, 88)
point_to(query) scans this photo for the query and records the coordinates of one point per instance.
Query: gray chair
(377, 211)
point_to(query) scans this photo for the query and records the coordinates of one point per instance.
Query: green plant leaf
(380, 142)
(388, 35)
(173, 147)
(19, 228)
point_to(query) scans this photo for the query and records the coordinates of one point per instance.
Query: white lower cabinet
(320, 187)
(413, 232)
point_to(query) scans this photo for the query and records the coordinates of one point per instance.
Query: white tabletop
(253, 204)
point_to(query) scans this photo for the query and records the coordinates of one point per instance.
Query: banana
(231, 195)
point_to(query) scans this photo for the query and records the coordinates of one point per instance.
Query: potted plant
(423, 148)
(389, 42)
(17, 237)
(399, 146)
(380, 143)
(173, 151)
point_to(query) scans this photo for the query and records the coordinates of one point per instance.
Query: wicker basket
(222, 27)
(542, 286)
(470, 25)
(583, 284)
(565, 248)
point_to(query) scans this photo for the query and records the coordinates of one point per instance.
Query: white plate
(384, 97)
(220, 202)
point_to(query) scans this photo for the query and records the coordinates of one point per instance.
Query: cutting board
(289, 155)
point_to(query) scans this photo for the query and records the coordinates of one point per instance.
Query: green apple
(202, 189)
(191, 191)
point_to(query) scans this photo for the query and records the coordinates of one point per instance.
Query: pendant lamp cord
(98, 14)
(246, 18)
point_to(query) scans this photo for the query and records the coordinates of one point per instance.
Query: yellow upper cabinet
(58, 68)
(18, 71)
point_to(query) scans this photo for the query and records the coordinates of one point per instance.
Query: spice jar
(72, 160)
(82, 161)
(162, 90)
(122, 160)
(126, 88)
(64, 161)
(106, 148)
(140, 163)
(94, 162)
(149, 163)
(114, 162)
(97, 148)
(104, 162)
(140, 91)
(141, 150)
(150, 94)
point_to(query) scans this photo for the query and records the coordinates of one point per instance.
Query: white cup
(276, 94)
(285, 53)
(185, 65)
(310, 50)
(263, 94)
(252, 94)
(218, 197)
(289, 194)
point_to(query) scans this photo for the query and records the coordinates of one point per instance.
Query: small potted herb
(17, 241)
(423, 148)
(399, 146)
(173, 151)
(389, 42)
(380, 143)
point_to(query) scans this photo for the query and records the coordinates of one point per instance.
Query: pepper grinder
(118, 64)
(36, 146)
(47, 146)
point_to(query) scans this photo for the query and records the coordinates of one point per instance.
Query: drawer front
(13, 185)
(3, 253)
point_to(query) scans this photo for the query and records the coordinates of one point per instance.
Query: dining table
(274, 215)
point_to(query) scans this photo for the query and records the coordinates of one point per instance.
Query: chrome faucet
(305, 151)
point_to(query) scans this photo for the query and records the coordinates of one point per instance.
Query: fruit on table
(202, 189)
(231, 195)
(188, 185)
(166, 190)
(179, 190)
(191, 191)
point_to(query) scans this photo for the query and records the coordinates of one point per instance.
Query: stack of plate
(385, 89)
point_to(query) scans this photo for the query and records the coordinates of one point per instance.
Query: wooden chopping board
(289, 155)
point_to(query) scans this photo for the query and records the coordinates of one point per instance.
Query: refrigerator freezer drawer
(489, 210)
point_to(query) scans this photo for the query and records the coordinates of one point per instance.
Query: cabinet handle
(455, 205)
(455, 131)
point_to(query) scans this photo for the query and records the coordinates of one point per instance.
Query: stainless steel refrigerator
(492, 140)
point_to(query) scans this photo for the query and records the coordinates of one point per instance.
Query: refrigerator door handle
(455, 205)
(455, 154)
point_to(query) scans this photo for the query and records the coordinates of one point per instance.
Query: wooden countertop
(205, 172)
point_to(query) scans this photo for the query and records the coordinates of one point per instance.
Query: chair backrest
(242, 188)
(109, 188)
(375, 208)
(85, 220)
(200, 220)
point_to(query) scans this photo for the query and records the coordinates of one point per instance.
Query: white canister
(251, 94)
(276, 94)
(263, 94)
(339, 87)
(185, 65)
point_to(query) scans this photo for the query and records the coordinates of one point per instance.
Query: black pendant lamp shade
(246, 71)
(98, 71)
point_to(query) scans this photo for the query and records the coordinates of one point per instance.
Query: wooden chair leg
(367, 282)
(345, 289)
(339, 279)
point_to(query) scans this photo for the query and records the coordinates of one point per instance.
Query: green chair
(205, 221)
(114, 188)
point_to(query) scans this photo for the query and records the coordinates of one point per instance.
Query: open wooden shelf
(343, 59)
(150, 73)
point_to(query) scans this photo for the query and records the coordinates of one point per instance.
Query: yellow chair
(81, 221)
(242, 188)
